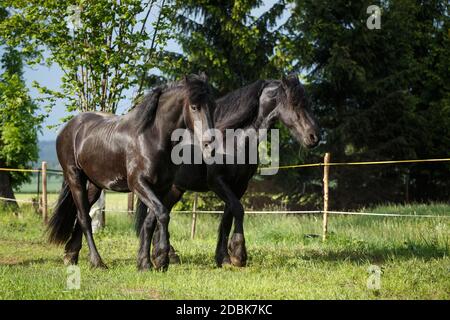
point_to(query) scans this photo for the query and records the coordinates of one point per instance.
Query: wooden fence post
(326, 170)
(407, 188)
(194, 216)
(39, 199)
(44, 192)
(130, 203)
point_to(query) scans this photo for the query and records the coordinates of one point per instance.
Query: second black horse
(258, 106)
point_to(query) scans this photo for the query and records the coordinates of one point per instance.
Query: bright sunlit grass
(286, 259)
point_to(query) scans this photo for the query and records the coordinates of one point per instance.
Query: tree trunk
(6, 191)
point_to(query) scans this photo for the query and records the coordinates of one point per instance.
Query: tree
(380, 94)
(103, 47)
(225, 40)
(19, 125)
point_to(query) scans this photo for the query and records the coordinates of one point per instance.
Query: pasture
(286, 259)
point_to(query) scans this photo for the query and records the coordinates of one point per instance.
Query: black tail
(140, 214)
(63, 220)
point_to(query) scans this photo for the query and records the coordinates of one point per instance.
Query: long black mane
(239, 108)
(196, 89)
(146, 110)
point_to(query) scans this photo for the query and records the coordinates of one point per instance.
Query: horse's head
(199, 107)
(294, 112)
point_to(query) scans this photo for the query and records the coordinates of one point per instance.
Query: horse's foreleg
(236, 246)
(233, 209)
(148, 227)
(157, 215)
(170, 199)
(77, 183)
(222, 257)
(73, 246)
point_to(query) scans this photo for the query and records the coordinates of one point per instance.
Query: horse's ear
(290, 81)
(204, 76)
(189, 80)
(284, 82)
(293, 79)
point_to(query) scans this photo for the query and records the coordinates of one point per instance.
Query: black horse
(258, 105)
(126, 153)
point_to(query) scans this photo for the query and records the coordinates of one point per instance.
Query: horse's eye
(194, 107)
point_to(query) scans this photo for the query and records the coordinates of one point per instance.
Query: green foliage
(380, 94)
(103, 47)
(18, 126)
(19, 123)
(225, 40)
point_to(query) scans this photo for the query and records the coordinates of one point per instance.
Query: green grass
(113, 201)
(285, 261)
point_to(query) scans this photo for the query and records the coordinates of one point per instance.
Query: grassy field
(286, 260)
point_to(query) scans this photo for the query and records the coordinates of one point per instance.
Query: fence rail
(305, 212)
(43, 172)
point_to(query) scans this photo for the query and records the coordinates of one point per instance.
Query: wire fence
(43, 182)
(361, 163)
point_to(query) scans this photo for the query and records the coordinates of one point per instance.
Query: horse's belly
(116, 182)
(192, 177)
(105, 173)
(120, 185)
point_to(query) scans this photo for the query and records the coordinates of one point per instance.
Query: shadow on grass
(380, 255)
(28, 262)
(119, 262)
(203, 260)
(277, 257)
(282, 257)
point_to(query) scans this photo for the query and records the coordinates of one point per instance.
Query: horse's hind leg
(77, 183)
(73, 246)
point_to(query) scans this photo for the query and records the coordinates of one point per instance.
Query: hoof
(223, 261)
(70, 258)
(161, 263)
(226, 262)
(238, 262)
(144, 265)
(238, 252)
(174, 258)
(98, 265)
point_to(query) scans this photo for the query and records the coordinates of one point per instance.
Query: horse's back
(94, 143)
(78, 129)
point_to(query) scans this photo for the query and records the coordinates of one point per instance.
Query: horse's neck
(169, 116)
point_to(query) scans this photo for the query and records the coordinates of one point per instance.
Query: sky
(50, 77)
